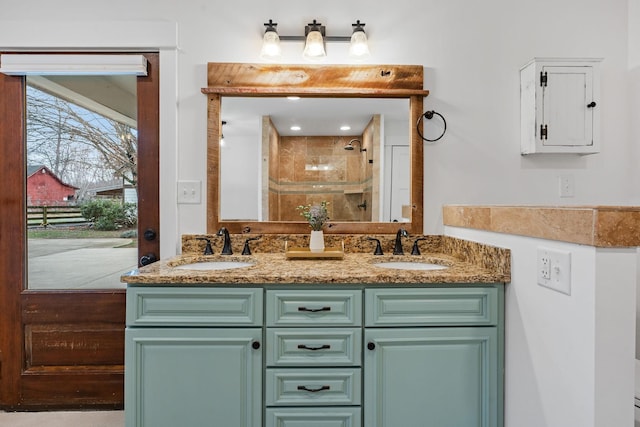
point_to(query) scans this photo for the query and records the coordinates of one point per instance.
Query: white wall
(634, 113)
(569, 358)
(472, 52)
(240, 176)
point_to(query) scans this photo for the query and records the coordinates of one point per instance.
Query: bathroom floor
(62, 419)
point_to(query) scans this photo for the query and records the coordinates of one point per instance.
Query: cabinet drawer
(318, 308)
(431, 306)
(307, 387)
(313, 417)
(314, 347)
(194, 307)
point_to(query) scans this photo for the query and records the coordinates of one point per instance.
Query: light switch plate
(567, 185)
(189, 191)
(554, 269)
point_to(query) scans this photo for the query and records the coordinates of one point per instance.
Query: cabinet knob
(591, 104)
(371, 346)
(255, 345)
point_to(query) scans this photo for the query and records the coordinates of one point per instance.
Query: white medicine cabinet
(559, 106)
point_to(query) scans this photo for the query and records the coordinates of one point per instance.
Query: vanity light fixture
(314, 38)
(270, 42)
(314, 43)
(359, 47)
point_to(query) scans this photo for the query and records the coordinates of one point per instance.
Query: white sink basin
(405, 265)
(215, 265)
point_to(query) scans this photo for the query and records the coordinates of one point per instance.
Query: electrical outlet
(189, 191)
(544, 269)
(554, 269)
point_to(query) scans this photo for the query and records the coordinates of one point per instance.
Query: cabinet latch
(543, 78)
(543, 131)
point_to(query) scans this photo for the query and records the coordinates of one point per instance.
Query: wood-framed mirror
(331, 82)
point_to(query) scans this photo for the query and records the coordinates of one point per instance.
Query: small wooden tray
(305, 253)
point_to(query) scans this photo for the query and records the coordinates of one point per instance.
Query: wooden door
(64, 348)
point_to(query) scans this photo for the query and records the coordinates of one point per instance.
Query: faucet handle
(416, 250)
(378, 250)
(246, 250)
(207, 249)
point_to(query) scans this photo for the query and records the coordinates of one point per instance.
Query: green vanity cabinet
(193, 357)
(315, 356)
(433, 357)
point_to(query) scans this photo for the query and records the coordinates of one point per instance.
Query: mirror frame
(323, 81)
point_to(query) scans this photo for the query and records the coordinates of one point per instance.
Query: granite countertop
(467, 262)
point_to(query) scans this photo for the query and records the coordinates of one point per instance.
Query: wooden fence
(44, 216)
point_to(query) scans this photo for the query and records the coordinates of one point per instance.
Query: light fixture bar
(326, 38)
(358, 39)
(63, 64)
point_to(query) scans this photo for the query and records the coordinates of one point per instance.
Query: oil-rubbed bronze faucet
(226, 247)
(397, 248)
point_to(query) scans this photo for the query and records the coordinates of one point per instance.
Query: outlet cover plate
(554, 269)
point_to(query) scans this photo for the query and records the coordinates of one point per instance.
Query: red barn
(44, 188)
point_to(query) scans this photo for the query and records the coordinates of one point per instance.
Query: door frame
(96, 313)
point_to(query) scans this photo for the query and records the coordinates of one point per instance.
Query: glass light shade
(359, 46)
(314, 46)
(270, 46)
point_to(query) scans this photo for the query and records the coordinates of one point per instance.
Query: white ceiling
(113, 96)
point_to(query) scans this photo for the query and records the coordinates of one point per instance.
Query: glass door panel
(81, 181)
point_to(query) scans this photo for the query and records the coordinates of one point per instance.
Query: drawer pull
(314, 310)
(306, 347)
(313, 390)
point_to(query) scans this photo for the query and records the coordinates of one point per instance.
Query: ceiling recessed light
(345, 127)
(295, 128)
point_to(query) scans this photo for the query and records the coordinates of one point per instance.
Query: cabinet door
(193, 377)
(444, 377)
(567, 119)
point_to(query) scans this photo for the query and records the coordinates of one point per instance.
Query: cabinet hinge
(543, 132)
(543, 78)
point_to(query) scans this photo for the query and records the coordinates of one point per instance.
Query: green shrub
(109, 215)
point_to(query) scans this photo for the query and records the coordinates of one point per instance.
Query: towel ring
(429, 115)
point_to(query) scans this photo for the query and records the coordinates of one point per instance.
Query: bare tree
(78, 145)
